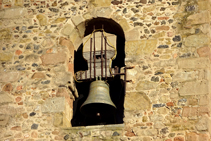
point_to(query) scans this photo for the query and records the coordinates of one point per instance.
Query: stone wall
(167, 43)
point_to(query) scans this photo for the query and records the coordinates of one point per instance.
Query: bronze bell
(98, 102)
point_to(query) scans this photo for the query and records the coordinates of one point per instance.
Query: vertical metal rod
(94, 54)
(102, 54)
(90, 58)
(105, 60)
(125, 77)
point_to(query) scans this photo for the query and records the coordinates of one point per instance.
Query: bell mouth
(98, 109)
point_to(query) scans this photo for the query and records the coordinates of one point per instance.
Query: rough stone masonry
(167, 42)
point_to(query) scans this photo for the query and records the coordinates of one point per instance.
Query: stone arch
(110, 26)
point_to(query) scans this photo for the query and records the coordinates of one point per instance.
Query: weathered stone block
(198, 18)
(9, 76)
(42, 19)
(144, 132)
(67, 30)
(185, 76)
(124, 24)
(190, 112)
(137, 101)
(140, 47)
(194, 88)
(77, 20)
(53, 105)
(53, 58)
(4, 120)
(32, 58)
(5, 56)
(204, 52)
(5, 34)
(38, 75)
(202, 124)
(146, 85)
(13, 13)
(75, 38)
(62, 78)
(101, 3)
(58, 119)
(132, 35)
(193, 63)
(67, 43)
(196, 40)
(9, 110)
(48, 43)
(165, 63)
(103, 12)
(5, 98)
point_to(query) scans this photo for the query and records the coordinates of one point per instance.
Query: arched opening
(116, 84)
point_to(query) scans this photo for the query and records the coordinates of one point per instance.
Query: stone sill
(97, 127)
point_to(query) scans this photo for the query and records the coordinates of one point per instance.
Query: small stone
(38, 75)
(7, 88)
(25, 115)
(171, 135)
(146, 31)
(138, 24)
(163, 22)
(124, 10)
(164, 131)
(145, 67)
(34, 134)
(42, 19)
(20, 68)
(190, 8)
(34, 65)
(170, 21)
(54, 10)
(175, 3)
(158, 105)
(155, 79)
(34, 126)
(174, 84)
(179, 139)
(32, 114)
(21, 57)
(66, 137)
(133, 19)
(39, 52)
(163, 46)
(179, 45)
(18, 99)
(18, 52)
(197, 31)
(134, 10)
(162, 9)
(45, 82)
(115, 134)
(177, 39)
(35, 38)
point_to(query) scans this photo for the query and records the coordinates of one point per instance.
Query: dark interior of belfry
(115, 82)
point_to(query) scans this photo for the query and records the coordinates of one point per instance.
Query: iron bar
(94, 54)
(90, 58)
(105, 61)
(102, 54)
